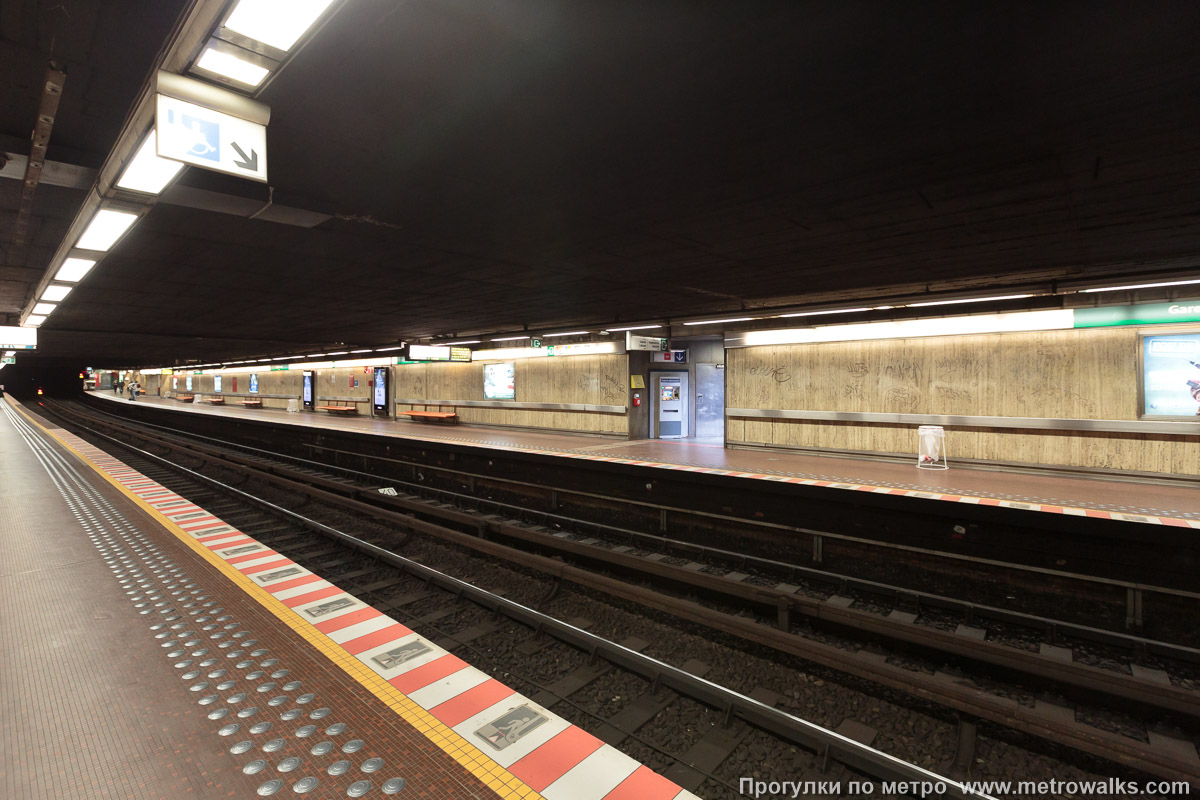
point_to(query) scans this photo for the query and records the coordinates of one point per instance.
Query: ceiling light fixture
(567, 333)
(147, 172)
(339, 353)
(367, 350)
(73, 269)
(1138, 286)
(386, 349)
(45, 309)
(275, 23)
(105, 229)
(225, 63)
(509, 338)
(452, 344)
(55, 294)
(968, 300)
(33, 320)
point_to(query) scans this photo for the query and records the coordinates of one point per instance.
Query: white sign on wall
(209, 139)
(15, 338)
(652, 343)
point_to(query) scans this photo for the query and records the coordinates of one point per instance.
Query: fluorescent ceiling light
(33, 320)
(55, 294)
(386, 349)
(104, 229)
(819, 313)
(882, 308)
(968, 300)
(634, 328)
(9, 353)
(232, 67)
(147, 172)
(510, 338)
(1139, 286)
(716, 321)
(73, 269)
(452, 344)
(44, 308)
(282, 358)
(1055, 319)
(568, 333)
(339, 353)
(279, 23)
(367, 350)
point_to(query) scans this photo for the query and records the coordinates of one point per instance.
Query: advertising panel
(216, 383)
(1171, 375)
(380, 386)
(307, 392)
(253, 383)
(189, 383)
(499, 382)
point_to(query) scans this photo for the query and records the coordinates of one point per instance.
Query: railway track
(717, 598)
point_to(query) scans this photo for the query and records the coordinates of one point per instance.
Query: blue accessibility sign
(203, 136)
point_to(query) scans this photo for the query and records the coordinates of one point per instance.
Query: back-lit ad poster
(307, 394)
(1171, 375)
(381, 391)
(499, 382)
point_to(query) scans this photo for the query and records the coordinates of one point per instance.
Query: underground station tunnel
(623, 400)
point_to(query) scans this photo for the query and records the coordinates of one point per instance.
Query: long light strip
(821, 313)
(968, 300)
(718, 321)
(510, 338)
(1055, 319)
(1138, 286)
(452, 344)
(634, 328)
(567, 333)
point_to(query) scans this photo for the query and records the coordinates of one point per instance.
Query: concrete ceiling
(541, 163)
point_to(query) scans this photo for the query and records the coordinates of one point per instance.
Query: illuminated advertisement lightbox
(307, 394)
(189, 383)
(381, 390)
(498, 382)
(253, 383)
(1171, 375)
(216, 383)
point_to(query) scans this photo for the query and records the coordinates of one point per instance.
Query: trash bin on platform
(293, 404)
(931, 447)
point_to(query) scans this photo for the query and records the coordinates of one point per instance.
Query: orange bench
(185, 398)
(444, 417)
(252, 403)
(340, 409)
(216, 401)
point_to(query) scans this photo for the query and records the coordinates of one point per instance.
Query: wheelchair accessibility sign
(210, 139)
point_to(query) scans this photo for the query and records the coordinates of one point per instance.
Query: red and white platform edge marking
(555, 758)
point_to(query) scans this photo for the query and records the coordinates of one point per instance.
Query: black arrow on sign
(249, 162)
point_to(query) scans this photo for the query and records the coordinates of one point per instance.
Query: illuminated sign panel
(216, 383)
(15, 338)
(421, 352)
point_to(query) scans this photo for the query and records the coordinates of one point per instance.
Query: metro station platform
(1098, 496)
(154, 651)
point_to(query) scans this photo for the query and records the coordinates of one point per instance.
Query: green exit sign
(9, 360)
(537, 342)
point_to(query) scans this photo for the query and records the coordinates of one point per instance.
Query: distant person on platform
(132, 391)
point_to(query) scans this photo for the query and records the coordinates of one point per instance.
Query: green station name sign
(1147, 314)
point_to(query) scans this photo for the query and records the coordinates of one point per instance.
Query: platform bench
(185, 398)
(216, 401)
(442, 417)
(340, 409)
(252, 403)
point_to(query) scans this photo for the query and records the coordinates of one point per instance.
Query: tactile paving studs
(306, 731)
(252, 676)
(208, 700)
(236, 698)
(220, 713)
(254, 767)
(319, 713)
(261, 727)
(372, 765)
(353, 746)
(231, 729)
(304, 785)
(321, 748)
(289, 764)
(273, 745)
(259, 652)
(191, 676)
(241, 747)
(290, 714)
(280, 673)
(358, 788)
(226, 685)
(335, 728)
(268, 686)
(277, 701)
(270, 787)
(339, 767)
(393, 785)
(248, 712)
(305, 698)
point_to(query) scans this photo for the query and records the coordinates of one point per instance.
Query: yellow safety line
(494, 776)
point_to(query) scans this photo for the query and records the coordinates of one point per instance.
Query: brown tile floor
(1081, 492)
(94, 703)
